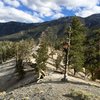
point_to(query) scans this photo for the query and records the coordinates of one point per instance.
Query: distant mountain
(17, 31)
(93, 21)
(14, 27)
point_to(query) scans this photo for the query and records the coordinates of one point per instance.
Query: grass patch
(83, 95)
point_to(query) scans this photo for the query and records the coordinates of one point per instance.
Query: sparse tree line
(18, 50)
(84, 50)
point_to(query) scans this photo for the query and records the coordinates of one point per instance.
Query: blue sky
(33, 11)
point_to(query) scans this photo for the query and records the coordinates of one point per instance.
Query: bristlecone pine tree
(3, 51)
(51, 38)
(42, 56)
(6, 50)
(22, 50)
(92, 54)
(77, 44)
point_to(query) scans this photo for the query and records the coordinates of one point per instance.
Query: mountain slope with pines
(17, 31)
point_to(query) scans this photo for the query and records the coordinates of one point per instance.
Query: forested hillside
(17, 31)
(64, 51)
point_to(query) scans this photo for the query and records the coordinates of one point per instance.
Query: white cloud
(87, 12)
(14, 3)
(58, 15)
(12, 14)
(2, 21)
(51, 7)
(45, 8)
(1, 4)
(74, 4)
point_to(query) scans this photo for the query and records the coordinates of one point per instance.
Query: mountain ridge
(17, 30)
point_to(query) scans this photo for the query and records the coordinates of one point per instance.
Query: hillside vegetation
(17, 31)
(67, 50)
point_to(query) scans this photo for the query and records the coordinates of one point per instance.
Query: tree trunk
(41, 74)
(75, 71)
(20, 68)
(92, 76)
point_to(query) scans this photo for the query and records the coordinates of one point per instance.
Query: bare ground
(49, 88)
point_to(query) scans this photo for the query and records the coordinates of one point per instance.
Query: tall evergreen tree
(51, 39)
(77, 44)
(92, 53)
(42, 56)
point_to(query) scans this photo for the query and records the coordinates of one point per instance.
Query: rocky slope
(51, 88)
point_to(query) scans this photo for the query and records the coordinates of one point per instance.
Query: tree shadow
(7, 62)
(7, 81)
(14, 82)
(51, 63)
(66, 82)
(72, 97)
(8, 69)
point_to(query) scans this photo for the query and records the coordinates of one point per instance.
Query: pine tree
(3, 51)
(22, 50)
(42, 56)
(77, 44)
(92, 53)
(0, 52)
(51, 38)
